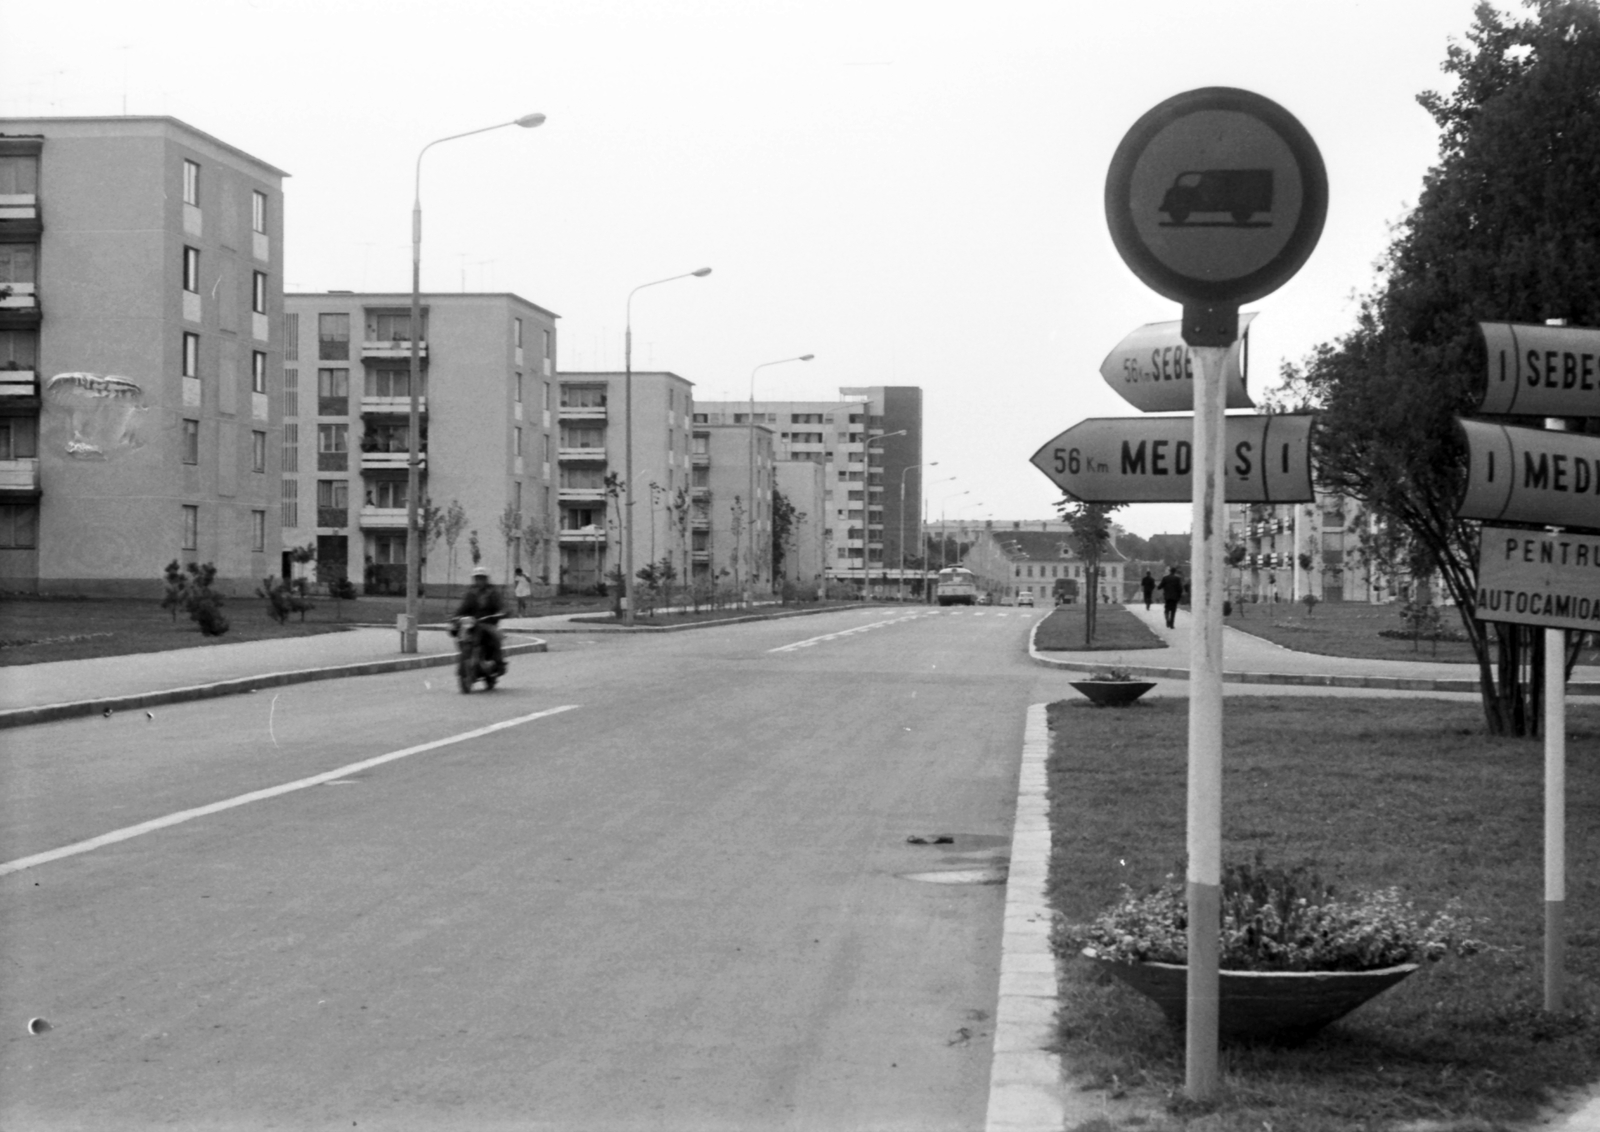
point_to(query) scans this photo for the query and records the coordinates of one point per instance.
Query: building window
(17, 263)
(333, 438)
(19, 438)
(258, 371)
(544, 403)
(516, 332)
(291, 338)
(333, 493)
(191, 354)
(258, 292)
(258, 531)
(583, 396)
(516, 442)
(291, 393)
(191, 270)
(333, 337)
(258, 211)
(19, 349)
(19, 174)
(258, 451)
(19, 525)
(191, 183)
(519, 389)
(393, 383)
(393, 326)
(388, 493)
(291, 450)
(333, 392)
(191, 527)
(191, 441)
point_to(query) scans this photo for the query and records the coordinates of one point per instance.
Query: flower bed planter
(1112, 693)
(1284, 1006)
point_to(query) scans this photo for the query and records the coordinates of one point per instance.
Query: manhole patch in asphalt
(990, 875)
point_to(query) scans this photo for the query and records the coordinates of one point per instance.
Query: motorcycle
(472, 663)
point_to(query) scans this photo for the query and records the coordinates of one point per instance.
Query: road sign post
(1214, 198)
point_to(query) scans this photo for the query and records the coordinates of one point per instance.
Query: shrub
(203, 603)
(1277, 919)
(284, 598)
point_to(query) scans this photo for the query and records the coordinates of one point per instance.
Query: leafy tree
(177, 583)
(430, 525)
(535, 533)
(473, 548)
(782, 528)
(510, 531)
(736, 512)
(1090, 539)
(1506, 229)
(455, 521)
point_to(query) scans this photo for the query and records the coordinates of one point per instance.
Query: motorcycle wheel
(464, 672)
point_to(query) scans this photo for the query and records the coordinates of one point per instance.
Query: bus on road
(956, 585)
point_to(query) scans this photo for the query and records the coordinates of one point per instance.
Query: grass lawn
(1115, 628)
(1374, 793)
(35, 630)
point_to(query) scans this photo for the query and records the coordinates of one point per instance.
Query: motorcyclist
(482, 602)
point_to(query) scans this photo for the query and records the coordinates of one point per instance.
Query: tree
(430, 525)
(473, 548)
(535, 533)
(681, 506)
(1506, 229)
(510, 532)
(736, 511)
(1090, 539)
(782, 528)
(455, 521)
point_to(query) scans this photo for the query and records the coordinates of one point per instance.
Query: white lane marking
(844, 633)
(182, 816)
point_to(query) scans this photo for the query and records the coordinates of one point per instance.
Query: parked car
(985, 599)
(1025, 597)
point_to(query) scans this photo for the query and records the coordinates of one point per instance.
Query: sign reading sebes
(1541, 371)
(1150, 459)
(1154, 371)
(1537, 578)
(1525, 475)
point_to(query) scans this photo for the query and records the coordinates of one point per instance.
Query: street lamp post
(408, 628)
(750, 426)
(866, 497)
(942, 502)
(627, 439)
(900, 582)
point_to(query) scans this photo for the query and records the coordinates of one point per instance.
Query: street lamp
(926, 593)
(627, 441)
(900, 582)
(942, 536)
(408, 629)
(750, 425)
(866, 497)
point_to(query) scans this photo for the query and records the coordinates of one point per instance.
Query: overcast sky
(909, 189)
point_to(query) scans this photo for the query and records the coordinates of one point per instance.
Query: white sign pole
(1555, 805)
(1205, 725)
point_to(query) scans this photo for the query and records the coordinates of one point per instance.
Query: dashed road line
(805, 644)
(132, 831)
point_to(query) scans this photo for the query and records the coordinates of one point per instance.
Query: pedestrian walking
(1148, 585)
(1171, 594)
(522, 587)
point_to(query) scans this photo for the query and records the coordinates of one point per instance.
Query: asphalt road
(648, 883)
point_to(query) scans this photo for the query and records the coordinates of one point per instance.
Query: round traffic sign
(1216, 196)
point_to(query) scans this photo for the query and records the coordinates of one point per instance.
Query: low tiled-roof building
(1008, 562)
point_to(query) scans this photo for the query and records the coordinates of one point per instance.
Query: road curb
(1307, 680)
(614, 627)
(48, 713)
(1026, 1091)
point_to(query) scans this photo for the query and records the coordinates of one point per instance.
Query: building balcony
(19, 306)
(700, 523)
(18, 210)
(583, 536)
(700, 459)
(19, 387)
(594, 413)
(374, 518)
(700, 491)
(389, 461)
(393, 350)
(585, 455)
(19, 477)
(392, 406)
(581, 494)
(699, 556)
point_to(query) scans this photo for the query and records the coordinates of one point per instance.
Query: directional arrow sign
(1525, 475)
(1149, 460)
(1154, 372)
(1541, 371)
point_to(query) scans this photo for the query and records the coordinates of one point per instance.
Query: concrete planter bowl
(1112, 693)
(1278, 1006)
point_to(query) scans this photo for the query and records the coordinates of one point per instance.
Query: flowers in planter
(1277, 919)
(1112, 674)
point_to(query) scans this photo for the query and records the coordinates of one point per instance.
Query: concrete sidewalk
(1248, 659)
(37, 693)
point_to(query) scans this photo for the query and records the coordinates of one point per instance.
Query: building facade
(1285, 551)
(141, 296)
(1010, 561)
(487, 418)
(593, 460)
(869, 445)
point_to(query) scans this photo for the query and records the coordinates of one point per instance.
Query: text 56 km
(1069, 460)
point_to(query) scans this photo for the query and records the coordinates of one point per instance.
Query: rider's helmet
(480, 571)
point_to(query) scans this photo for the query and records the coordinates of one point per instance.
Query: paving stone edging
(46, 713)
(1308, 679)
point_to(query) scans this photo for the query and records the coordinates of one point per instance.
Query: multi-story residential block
(1031, 558)
(805, 551)
(1288, 550)
(487, 418)
(141, 290)
(869, 444)
(593, 459)
(732, 539)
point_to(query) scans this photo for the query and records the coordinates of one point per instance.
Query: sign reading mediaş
(1153, 369)
(1541, 371)
(1525, 475)
(1216, 196)
(1538, 578)
(1150, 459)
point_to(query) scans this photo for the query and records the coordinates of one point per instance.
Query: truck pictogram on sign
(1241, 193)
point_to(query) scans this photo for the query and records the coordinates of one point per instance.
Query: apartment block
(732, 539)
(487, 399)
(593, 488)
(1285, 551)
(869, 445)
(141, 291)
